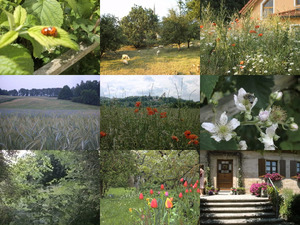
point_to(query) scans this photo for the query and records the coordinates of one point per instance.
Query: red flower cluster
(163, 115)
(102, 134)
(193, 138)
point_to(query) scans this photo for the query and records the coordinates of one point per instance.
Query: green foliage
(109, 27)
(65, 93)
(194, 6)
(140, 26)
(207, 85)
(87, 93)
(294, 209)
(285, 207)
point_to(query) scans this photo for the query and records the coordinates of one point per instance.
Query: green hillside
(42, 103)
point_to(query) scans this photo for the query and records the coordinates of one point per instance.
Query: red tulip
(197, 181)
(198, 190)
(151, 192)
(141, 196)
(162, 187)
(186, 190)
(191, 185)
(180, 195)
(168, 203)
(195, 185)
(190, 190)
(181, 180)
(154, 203)
(185, 184)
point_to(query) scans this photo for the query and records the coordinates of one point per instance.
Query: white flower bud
(293, 127)
(277, 95)
(243, 145)
(264, 115)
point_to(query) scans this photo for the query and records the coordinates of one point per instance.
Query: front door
(225, 175)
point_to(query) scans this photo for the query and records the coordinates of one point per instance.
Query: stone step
(233, 204)
(235, 200)
(252, 221)
(238, 215)
(235, 209)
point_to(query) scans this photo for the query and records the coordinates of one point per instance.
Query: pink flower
(151, 192)
(180, 195)
(181, 180)
(185, 184)
(141, 196)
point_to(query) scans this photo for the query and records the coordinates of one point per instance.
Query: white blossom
(243, 145)
(244, 101)
(293, 127)
(264, 115)
(268, 138)
(222, 130)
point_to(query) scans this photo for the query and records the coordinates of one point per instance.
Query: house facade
(284, 8)
(226, 169)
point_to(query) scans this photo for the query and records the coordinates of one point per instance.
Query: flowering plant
(273, 176)
(266, 122)
(256, 188)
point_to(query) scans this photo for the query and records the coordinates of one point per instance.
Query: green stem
(168, 218)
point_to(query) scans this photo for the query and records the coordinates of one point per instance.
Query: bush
(6, 215)
(294, 209)
(287, 195)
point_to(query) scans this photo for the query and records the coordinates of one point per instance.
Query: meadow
(43, 123)
(123, 128)
(169, 61)
(248, 46)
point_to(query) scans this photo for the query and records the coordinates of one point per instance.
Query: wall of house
(250, 167)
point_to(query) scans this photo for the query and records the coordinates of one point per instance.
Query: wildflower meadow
(247, 46)
(143, 127)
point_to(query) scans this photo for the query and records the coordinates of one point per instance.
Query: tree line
(230, 6)
(86, 92)
(142, 28)
(151, 101)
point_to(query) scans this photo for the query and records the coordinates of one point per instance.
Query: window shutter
(293, 168)
(261, 167)
(282, 168)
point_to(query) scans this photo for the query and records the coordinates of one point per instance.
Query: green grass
(129, 130)
(248, 46)
(170, 61)
(42, 103)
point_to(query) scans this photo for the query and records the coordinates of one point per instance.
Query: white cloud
(188, 87)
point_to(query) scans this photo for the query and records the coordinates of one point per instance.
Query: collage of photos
(249, 112)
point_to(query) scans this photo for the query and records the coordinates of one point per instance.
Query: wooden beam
(66, 60)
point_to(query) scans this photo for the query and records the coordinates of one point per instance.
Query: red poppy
(214, 24)
(137, 104)
(252, 32)
(257, 26)
(233, 45)
(201, 26)
(151, 192)
(102, 134)
(154, 203)
(148, 108)
(155, 110)
(150, 112)
(185, 184)
(260, 35)
(136, 110)
(242, 62)
(162, 187)
(141, 196)
(180, 195)
(175, 138)
(187, 133)
(193, 137)
(196, 142)
(163, 115)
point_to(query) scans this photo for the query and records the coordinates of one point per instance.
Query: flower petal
(241, 94)
(216, 137)
(233, 124)
(270, 131)
(223, 119)
(228, 136)
(210, 127)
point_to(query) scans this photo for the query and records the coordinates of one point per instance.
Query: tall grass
(129, 130)
(49, 131)
(169, 61)
(247, 46)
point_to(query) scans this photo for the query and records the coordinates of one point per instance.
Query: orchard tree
(193, 7)
(193, 31)
(65, 93)
(174, 29)
(140, 26)
(111, 34)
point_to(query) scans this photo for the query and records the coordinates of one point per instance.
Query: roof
(247, 6)
(289, 13)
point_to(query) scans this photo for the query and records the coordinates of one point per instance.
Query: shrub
(256, 188)
(287, 195)
(294, 209)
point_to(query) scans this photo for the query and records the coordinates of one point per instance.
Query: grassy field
(126, 129)
(121, 200)
(40, 123)
(248, 46)
(169, 61)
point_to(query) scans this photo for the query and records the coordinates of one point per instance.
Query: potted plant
(274, 176)
(241, 190)
(296, 177)
(233, 191)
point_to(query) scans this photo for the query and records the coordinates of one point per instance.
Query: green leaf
(207, 84)
(9, 67)
(37, 48)
(62, 38)
(20, 56)
(20, 15)
(8, 38)
(207, 143)
(49, 11)
(81, 7)
(11, 20)
(260, 86)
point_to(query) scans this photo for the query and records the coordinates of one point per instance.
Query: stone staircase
(237, 210)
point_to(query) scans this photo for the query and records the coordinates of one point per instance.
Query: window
(267, 7)
(298, 167)
(271, 167)
(297, 2)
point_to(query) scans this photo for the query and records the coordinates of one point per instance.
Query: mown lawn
(169, 61)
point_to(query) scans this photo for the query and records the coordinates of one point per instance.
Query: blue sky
(10, 82)
(121, 8)
(121, 86)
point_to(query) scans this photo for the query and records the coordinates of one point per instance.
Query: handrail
(277, 196)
